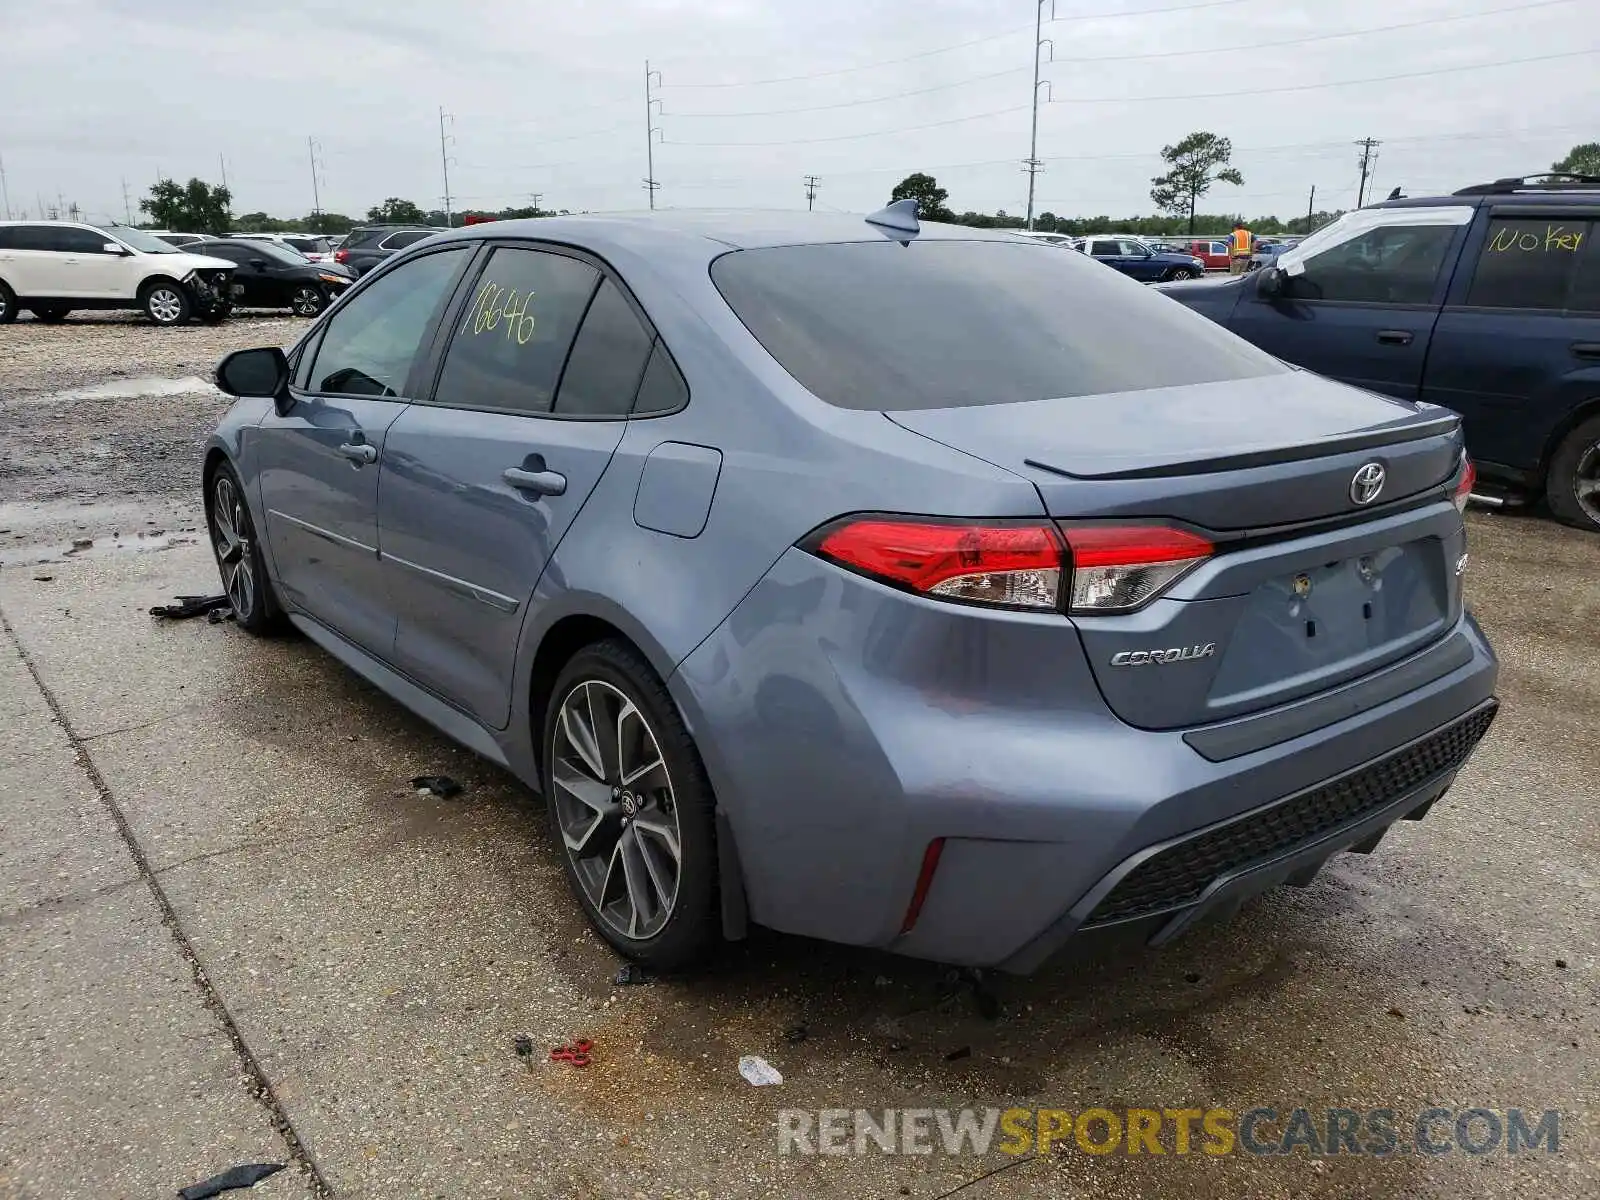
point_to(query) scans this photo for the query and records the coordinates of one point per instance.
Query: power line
(1109, 14)
(1308, 87)
(1110, 58)
(850, 137)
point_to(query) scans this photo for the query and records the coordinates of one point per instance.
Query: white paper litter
(758, 1071)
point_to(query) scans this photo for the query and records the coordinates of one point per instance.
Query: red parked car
(1213, 252)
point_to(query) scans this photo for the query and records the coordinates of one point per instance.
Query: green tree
(1194, 164)
(327, 222)
(1580, 160)
(193, 207)
(395, 211)
(925, 190)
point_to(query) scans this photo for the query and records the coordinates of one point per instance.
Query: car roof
(714, 229)
(1541, 197)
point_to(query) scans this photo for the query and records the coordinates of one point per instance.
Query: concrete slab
(380, 950)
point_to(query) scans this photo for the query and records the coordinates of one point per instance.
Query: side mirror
(260, 373)
(116, 248)
(1269, 282)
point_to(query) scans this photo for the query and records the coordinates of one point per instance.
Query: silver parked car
(907, 586)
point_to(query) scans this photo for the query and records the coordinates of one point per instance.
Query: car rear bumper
(846, 726)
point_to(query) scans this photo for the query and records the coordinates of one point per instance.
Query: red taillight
(1117, 568)
(341, 256)
(1016, 564)
(930, 864)
(1011, 565)
(1469, 478)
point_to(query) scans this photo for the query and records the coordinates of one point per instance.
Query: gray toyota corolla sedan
(921, 588)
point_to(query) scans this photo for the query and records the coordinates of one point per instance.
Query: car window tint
(373, 337)
(408, 237)
(941, 324)
(513, 335)
(1585, 295)
(607, 359)
(1104, 249)
(662, 390)
(9, 237)
(235, 254)
(66, 240)
(1527, 263)
(1392, 264)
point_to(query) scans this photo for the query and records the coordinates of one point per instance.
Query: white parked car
(53, 267)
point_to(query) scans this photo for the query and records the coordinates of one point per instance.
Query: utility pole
(1311, 207)
(223, 163)
(811, 191)
(444, 161)
(652, 80)
(4, 190)
(1369, 155)
(536, 197)
(1031, 164)
(127, 202)
(316, 190)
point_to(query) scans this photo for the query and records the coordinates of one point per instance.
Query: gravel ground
(105, 412)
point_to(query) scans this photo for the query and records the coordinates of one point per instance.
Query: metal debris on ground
(441, 786)
(577, 1054)
(523, 1045)
(632, 975)
(758, 1072)
(190, 606)
(244, 1176)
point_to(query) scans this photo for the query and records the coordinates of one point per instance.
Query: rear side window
(407, 237)
(1586, 283)
(373, 338)
(1528, 263)
(945, 324)
(512, 338)
(8, 237)
(1391, 264)
(362, 237)
(607, 359)
(662, 390)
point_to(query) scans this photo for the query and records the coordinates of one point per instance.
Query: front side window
(67, 239)
(1528, 263)
(373, 338)
(1390, 264)
(946, 324)
(140, 239)
(511, 340)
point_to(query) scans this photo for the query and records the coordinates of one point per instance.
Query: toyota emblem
(1367, 483)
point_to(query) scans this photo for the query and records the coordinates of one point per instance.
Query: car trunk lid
(1312, 582)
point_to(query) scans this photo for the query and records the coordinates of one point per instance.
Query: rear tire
(165, 302)
(50, 314)
(632, 817)
(8, 304)
(1572, 485)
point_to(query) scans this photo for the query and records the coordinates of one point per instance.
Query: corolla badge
(1176, 654)
(1367, 483)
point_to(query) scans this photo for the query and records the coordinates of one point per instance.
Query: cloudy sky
(548, 98)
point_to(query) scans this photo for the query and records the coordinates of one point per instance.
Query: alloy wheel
(1586, 482)
(616, 810)
(230, 538)
(165, 305)
(306, 302)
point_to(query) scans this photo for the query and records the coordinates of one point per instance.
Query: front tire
(238, 555)
(1572, 485)
(630, 807)
(165, 303)
(307, 301)
(50, 314)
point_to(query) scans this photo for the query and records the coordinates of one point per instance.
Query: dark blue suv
(1486, 301)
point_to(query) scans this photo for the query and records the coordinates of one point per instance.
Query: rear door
(55, 260)
(538, 372)
(320, 459)
(1518, 345)
(1364, 308)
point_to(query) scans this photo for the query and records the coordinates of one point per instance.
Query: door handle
(1395, 337)
(360, 453)
(543, 483)
(1586, 349)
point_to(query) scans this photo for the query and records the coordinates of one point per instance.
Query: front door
(481, 483)
(321, 457)
(1363, 309)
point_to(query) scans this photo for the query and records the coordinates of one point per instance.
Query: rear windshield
(948, 324)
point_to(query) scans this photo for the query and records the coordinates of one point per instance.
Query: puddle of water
(139, 387)
(52, 531)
